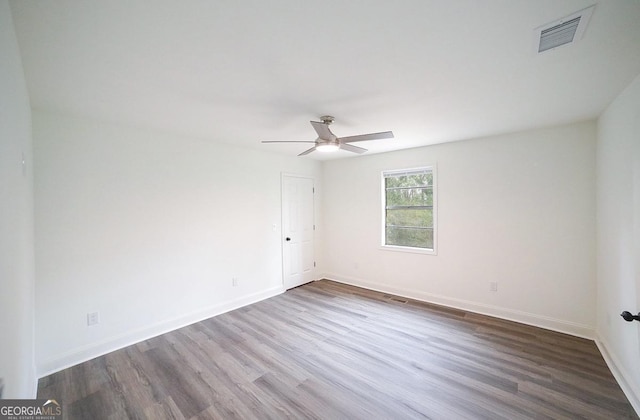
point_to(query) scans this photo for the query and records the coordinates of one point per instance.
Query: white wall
(618, 253)
(16, 221)
(517, 209)
(147, 229)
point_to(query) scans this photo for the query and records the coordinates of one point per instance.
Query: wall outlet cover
(93, 318)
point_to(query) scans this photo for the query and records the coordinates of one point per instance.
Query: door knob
(287, 239)
(628, 316)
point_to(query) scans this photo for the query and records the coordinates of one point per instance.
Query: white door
(297, 230)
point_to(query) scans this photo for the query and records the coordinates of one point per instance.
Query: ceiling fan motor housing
(327, 119)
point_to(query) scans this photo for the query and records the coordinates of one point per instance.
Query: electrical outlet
(234, 281)
(93, 318)
(493, 286)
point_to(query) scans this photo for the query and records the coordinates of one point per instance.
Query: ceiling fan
(329, 142)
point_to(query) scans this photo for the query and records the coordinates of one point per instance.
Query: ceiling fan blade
(287, 141)
(323, 130)
(365, 137)
(306, 152)
(350, 148)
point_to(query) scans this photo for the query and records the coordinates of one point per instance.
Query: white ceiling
(234, 71)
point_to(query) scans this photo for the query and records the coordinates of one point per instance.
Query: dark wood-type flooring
(331, 351)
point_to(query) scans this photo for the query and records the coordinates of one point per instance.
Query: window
(409, 210)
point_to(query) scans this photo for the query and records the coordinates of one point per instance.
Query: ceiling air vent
(563, 31)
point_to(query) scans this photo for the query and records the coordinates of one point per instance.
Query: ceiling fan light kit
(328, 147)
(329, 142)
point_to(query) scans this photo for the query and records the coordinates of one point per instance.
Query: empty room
(345, 210)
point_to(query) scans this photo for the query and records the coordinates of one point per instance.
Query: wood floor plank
(164, 409)
(331, 351)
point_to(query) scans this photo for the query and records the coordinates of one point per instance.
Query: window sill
(408, 249)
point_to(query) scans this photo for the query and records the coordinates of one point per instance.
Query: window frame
(383, 200)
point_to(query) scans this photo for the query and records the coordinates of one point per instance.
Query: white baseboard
(93, 350)
(630, 391)
(567, 327)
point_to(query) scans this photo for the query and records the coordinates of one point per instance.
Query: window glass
(409, 208)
